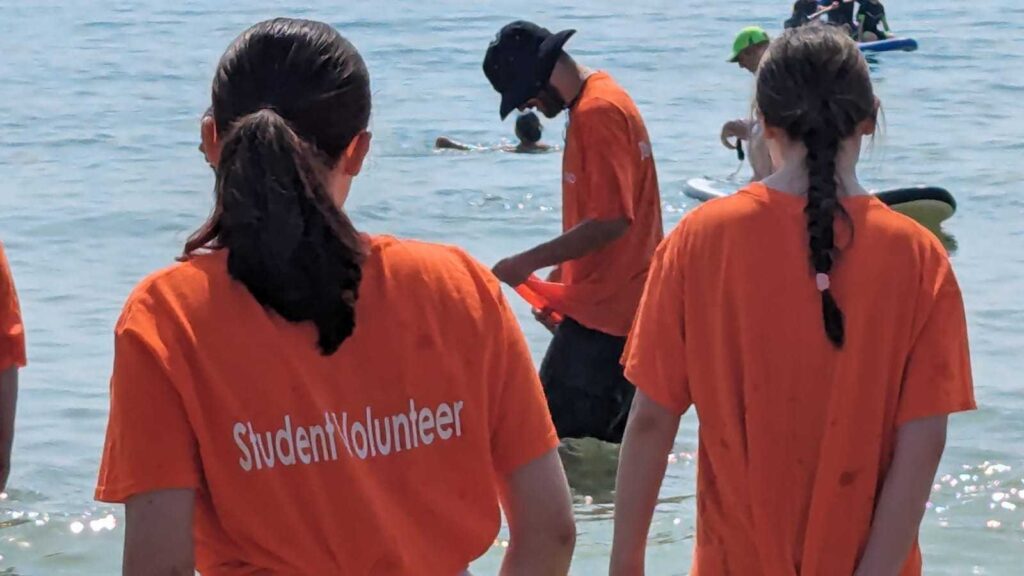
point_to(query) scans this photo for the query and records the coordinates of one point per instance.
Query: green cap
(749, 36)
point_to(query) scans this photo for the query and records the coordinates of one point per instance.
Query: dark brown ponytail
(814, 84)
(288, 99)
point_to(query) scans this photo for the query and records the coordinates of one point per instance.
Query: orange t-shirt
(608, 173)
(12, 333)
(380, 459)
(796, 437)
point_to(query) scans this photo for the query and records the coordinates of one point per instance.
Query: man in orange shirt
(611, 218)
(12, 357)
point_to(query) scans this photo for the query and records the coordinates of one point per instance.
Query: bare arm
(539, 510)
(588, 236)
(919, 447)
(649, 435)
(158, 534)
(8, 410)
(447, 143)
(860, 27)
(822, 11)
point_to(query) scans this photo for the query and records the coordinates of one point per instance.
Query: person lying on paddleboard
(528, 129)
(611, 224)
(747, 50)
(870, 16)
(295, 396)
(821, 338)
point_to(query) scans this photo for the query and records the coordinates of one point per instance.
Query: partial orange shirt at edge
(12, 331)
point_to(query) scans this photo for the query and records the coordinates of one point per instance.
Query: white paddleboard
(928, 205)
(703, 189)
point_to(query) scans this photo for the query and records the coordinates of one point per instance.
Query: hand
(513, 270)
(737, 129)
(556, 274)
(544, 317)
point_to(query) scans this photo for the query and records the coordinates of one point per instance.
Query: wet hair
(814, 84)
(528, 128)
(289, 96)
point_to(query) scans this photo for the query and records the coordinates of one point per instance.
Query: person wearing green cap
(748, 48)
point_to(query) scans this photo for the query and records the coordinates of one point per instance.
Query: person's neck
(569, 81)
(792, 177)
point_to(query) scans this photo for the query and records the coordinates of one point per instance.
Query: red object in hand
(536, 300)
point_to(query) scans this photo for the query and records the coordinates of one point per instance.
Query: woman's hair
(814, 84)
(289, 96)
(528, 128)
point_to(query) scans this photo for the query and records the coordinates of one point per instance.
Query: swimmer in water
(528, 130)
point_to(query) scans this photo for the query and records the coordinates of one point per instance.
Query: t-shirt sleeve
(12, 332)
(150, 444)
(937, 378)
(521, 429)
(609, 163)
(655, 354)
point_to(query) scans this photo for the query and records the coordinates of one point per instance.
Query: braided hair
(814, 84)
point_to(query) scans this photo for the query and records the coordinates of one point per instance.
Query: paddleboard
(890, 45)
(926, 204)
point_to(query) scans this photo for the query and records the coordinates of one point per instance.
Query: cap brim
(510, 102)
(555, 42)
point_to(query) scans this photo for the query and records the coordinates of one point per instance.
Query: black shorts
(588, 395)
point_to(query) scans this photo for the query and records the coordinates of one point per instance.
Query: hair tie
(823, 282)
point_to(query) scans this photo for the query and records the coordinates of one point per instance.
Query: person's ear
(210, 141)
(353, 157)
(772, 133)
(868, 126)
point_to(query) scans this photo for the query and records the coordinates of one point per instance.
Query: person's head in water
(525, 63)
(291, 103)
(528, 128)
(749, 47)
(814, 92)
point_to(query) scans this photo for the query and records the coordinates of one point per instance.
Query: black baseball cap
(519, 61)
